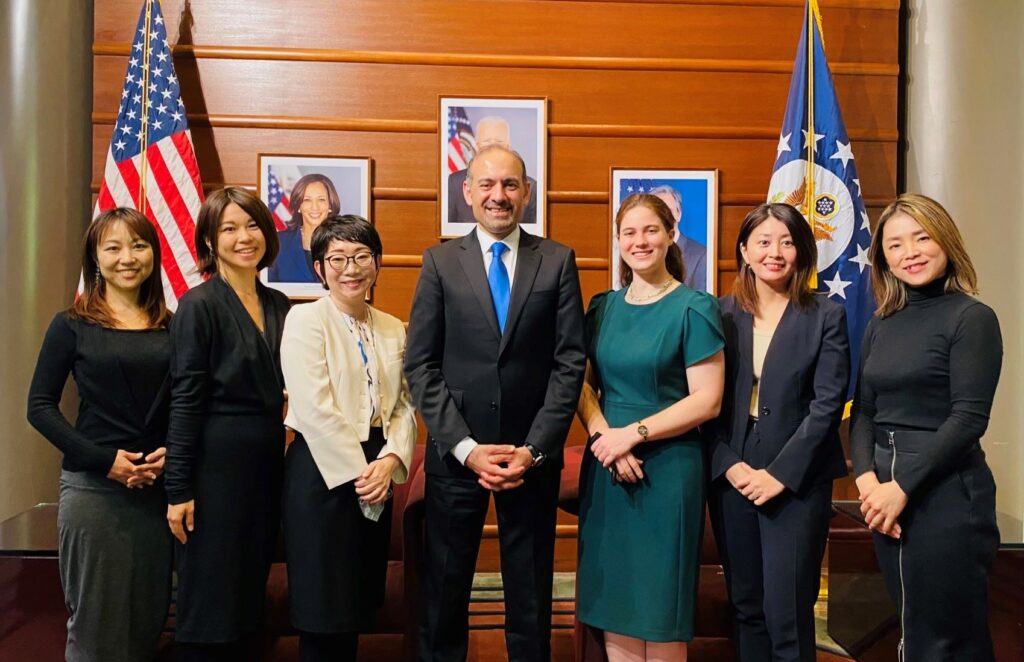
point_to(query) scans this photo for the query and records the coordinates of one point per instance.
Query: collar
(486, 240)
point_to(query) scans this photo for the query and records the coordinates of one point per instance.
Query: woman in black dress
(225, 444)
(114, 550)
(355, 429)
(776, 448)
(930, 363)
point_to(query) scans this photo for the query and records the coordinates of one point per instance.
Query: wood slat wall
(664, 83)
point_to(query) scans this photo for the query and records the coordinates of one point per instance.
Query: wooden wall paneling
(663, 100)
(864, 32)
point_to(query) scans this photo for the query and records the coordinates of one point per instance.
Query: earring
(99, 276)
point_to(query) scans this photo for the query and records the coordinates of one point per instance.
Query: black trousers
(455, 512)
(772, 557)
(937, 572)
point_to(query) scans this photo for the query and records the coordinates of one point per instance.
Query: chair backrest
(400, 498)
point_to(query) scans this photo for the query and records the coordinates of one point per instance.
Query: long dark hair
(208, 226)
(745, 288)
(91, 306)
(674, 257)
(299, 192)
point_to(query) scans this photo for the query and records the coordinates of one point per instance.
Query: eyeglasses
(340, 262)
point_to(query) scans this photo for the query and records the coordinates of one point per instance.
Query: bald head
(494, 150)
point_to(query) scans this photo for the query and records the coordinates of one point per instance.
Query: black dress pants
(772, 557)
(455, 512)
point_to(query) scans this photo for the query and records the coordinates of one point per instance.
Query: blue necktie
(497, 278)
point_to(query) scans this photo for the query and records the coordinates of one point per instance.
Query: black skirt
(337, 558)
(223, 568)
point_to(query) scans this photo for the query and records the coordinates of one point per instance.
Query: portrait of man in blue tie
(495, 362)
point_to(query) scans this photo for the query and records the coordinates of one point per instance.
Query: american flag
(278, 201)
(152, 110)
(461, 143)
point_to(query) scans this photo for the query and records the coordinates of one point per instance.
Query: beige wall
(46, 78)
(965, 132)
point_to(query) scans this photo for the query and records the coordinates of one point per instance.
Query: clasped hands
(613, 448)
(499, 467)
(134, 470)
(757, 485)
(881, 504)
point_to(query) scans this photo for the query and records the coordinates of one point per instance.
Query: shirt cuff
(462, 449)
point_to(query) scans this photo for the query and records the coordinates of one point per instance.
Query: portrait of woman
(313, 199)
(642, 483)
(355, 429)
(775, 449)
(930, 363)
(225, 443)
(114, 550)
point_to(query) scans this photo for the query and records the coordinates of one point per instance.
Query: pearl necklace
(657, 292)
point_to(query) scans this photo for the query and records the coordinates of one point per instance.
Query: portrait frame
(458, 120)
(697, 191)
(351, 178)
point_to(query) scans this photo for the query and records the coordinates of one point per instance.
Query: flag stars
(843, 153)
(172, 79)
(837, 286)
(157, 124)
(857, 182)
(131, 114)
(162, 56)
(134, 62)
(176, 116)
(861, 258)
(126, 130)
(783, 144)
(119, 145)
(162, 109)
(865, 222)
(137, 98)
(158, 72)
(166, 94)
(124, 93)
(817, 139)
(159, 20)
(152, 87)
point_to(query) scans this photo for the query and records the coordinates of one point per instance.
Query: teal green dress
(639, 543)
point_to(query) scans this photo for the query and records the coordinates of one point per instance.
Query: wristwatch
(538, 456)
(641, 429)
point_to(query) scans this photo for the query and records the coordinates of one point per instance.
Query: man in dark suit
(695, 254)
(492, 130)
(495, 362)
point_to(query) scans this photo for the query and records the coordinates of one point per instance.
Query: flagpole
(811, 138)
(143, 131)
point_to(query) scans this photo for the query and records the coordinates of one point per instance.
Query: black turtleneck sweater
(932, 366)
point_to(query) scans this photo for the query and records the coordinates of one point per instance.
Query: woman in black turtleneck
(930, 363)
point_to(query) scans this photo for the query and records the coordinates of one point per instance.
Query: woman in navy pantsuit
(776, 445)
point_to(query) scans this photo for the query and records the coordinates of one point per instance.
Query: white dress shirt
(462, 449)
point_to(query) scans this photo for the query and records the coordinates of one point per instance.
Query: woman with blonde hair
(930, 364)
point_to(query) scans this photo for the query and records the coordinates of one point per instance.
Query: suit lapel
(785, 330)
(472, 261)
(745, 370)
(527, 264)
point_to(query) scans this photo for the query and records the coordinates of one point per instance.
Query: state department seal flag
(151, 165)
(815, 172)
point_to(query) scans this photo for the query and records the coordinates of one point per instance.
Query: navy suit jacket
(468, 378)
(291, 265)
(801, 394)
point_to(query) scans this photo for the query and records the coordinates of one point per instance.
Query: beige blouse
(762, 338)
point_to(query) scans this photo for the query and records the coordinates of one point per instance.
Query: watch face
(642, 430)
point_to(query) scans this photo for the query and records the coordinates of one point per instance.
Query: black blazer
(801, 395)
(467, 378)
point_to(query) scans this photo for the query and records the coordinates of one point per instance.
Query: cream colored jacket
(328, 400)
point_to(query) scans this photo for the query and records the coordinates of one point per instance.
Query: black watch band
(538, 456)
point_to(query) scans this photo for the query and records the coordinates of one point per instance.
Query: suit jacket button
(765, 411)
(494, 406)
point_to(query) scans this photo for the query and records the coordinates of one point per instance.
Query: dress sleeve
(702, 329)
(592, 318)
(862, 417)
(55, 363)
(975, 361)
(191, 332)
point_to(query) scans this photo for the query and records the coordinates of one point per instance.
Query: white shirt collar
(486, 240)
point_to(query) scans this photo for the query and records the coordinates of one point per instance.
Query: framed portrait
(302, 191)
(467, 124)
(692, 197)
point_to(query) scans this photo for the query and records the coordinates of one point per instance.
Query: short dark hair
(745, 288)
(348, 227)
(299, 192)
(208, 226)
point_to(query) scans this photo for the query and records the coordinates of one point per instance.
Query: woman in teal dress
(655, 373)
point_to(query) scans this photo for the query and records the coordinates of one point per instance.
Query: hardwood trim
(606, 63)
(578, 197)
(561, 531)
(891, 5)
(430, 126)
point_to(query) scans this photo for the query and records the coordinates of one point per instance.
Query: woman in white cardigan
(355, 428)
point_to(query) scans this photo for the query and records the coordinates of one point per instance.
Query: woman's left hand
(372, 485)
(759, 486)
(613, 444)
(883, 506)
(152, 469)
